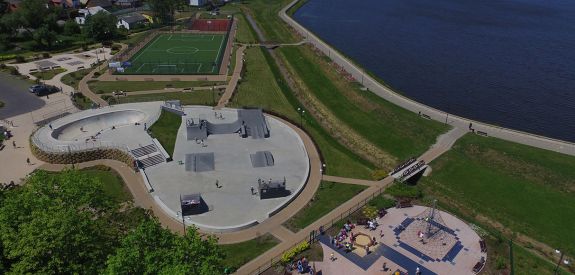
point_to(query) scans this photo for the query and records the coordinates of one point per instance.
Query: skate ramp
(94, 125)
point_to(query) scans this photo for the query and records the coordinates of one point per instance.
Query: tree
(44, 37)
(71, 28)
(101, 26)
(57, 224)
(164, 9)
(151, 249)
(33, 13)
(9, 23)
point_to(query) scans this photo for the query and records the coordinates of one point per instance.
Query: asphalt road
(17, 100)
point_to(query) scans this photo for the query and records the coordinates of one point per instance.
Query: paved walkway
(172, 90)
(236, 76)
(361, 76)
(349, 180)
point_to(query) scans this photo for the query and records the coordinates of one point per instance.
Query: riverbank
(388, 94)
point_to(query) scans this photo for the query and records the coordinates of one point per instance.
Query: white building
(198, 3)
(85, 13)
(129, 21)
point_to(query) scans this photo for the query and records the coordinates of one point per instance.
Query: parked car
(34, 88)
(46, 90)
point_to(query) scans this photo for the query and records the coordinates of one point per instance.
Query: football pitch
(179, 53)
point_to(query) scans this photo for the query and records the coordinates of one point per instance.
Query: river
(510, 63)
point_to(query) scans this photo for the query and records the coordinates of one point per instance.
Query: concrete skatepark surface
(232, 206)
(113, 126)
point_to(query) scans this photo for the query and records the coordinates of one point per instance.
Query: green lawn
(329, 196)
(394, 130)
(102, 87)
(526, 189)
(238, 254)
(73, 79)
(49, 74)
(179, 53)
(265, 13)
(263, 86)
(113, 184)
(245, 32)
(81, 101)
(188, 98)
(166, 130)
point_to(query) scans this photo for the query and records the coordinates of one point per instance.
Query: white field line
(219, 52)
(145, 47)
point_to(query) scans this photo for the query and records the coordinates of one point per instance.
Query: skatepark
(230, 169)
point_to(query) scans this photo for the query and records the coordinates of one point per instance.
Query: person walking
(14, 144)
(28, 161)
(252, 188)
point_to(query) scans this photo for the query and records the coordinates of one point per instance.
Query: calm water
(509, 63)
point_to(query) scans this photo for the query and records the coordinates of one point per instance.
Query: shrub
(378, 174)
(20, 59)
(14, 71)
(402, 190)
(96, 74)
(500, 263)
(369, 212)
(46, 55)
(2, 66)
(290, 254)
(116, 47)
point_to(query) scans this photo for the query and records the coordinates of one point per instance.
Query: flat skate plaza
(220, 161)
(231, 205)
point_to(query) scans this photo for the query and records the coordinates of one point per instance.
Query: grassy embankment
(103, 87)
(166, 130)
(396, 131)
(528, 190)
(238, 254)
(263, 86)
(48, 74)
(329, 196)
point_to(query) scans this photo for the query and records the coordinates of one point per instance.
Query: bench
(479, 265)
(403, 204)
(483, 246)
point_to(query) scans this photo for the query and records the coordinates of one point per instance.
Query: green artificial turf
(179, 53)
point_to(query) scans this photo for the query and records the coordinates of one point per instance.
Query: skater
(252, 188)
(50, 125)
(28, 161)
(417, 271)
(14, 144)
(145, 126)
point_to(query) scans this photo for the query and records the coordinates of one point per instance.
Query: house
(84, 14)
(101, 3)
(131, 20)
(13, 4)
(198, 3)
(65, 4)
(127, 3)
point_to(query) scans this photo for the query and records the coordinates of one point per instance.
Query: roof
(101, 3)
(92, 10)
(132, 18)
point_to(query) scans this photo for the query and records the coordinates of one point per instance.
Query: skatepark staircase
(148, 155)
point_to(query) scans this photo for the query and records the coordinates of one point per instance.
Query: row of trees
(66, 224)
(37, 21)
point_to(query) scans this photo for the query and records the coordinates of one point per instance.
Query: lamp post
(301, 111)
(565, 262)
